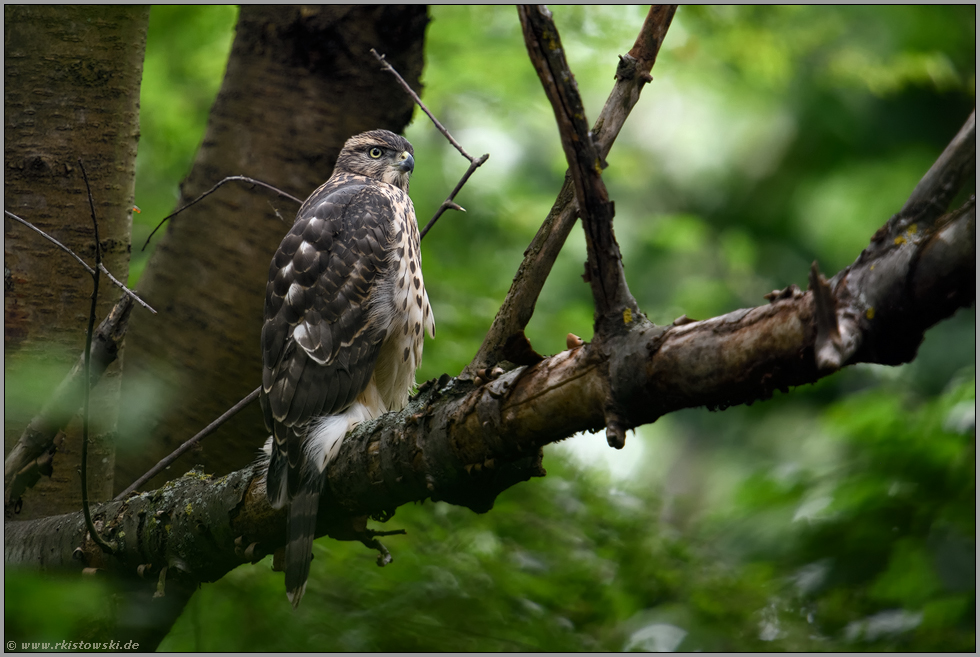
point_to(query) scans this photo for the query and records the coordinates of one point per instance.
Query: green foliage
(186, 51)
(840, 516)
(49, 608)
(883, 543)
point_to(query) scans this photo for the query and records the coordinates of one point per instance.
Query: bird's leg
(354, 528)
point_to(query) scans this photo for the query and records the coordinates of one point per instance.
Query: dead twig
(177, 453)
(245, 179)
(388, 67)
(449, 204)
(616, 311)
(87, 389)
(84, 264)
(475, 162)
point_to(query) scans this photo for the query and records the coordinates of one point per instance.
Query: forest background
(838, 516)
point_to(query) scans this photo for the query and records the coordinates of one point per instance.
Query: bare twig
(388, 67)
(177, 453)
(38, 439)
(115, 281)
(52, 240)
(91, 271)
(246, 179)
(449, 204)
(515, 312)
(475, 163)
(96, 274)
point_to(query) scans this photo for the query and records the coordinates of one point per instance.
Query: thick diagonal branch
(466, 445)
(615, 307)
(944, 179)
(858, 307)
(632, 74)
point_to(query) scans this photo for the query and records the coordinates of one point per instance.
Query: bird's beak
(406, 163)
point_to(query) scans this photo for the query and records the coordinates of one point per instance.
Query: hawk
(345, 307)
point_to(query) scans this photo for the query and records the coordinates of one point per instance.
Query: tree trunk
(71, 90)
(299, 82)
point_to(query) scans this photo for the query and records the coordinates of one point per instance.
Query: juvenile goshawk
(345, 308)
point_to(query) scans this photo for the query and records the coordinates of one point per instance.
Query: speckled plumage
(345, 310)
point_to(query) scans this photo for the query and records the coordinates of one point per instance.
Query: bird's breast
(408, 315)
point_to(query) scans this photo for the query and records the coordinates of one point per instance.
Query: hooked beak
(407, 163)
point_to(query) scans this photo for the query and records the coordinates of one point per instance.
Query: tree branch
(465, 445)
(187, 444)
(505, 338)
(475, 162)
(861, 299)
(944, 179)
(615, 307)
(101, 267)
(31, 456)
(87, 368)
(201, 197)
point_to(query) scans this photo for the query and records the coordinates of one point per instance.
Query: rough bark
(71, 90)
(615, 308)
(299, 82)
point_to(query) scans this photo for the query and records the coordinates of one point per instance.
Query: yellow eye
(375, 152)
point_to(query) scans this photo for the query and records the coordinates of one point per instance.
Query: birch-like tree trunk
(71, 90)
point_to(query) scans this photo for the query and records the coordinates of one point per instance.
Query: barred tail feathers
(322, 444)
(301, 529)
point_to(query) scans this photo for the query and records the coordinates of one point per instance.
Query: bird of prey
(345, 308)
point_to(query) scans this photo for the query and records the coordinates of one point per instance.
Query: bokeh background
(839, 516)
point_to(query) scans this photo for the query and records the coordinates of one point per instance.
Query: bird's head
(380, 155)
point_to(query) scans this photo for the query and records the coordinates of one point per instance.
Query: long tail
(299, 485)
(301, 529)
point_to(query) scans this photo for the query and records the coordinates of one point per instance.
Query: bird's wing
(319, 340)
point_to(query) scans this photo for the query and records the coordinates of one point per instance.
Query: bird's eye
(375, 152)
